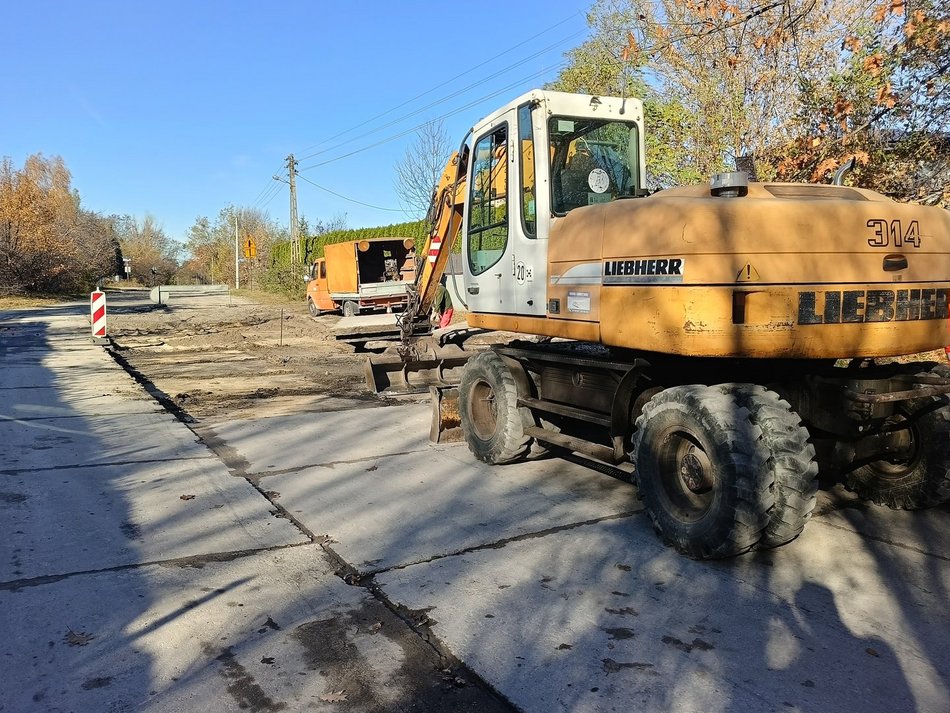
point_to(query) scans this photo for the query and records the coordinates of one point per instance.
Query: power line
(273, 195)
(436, 102)
(269, 193)
(346, 198)
(486, 97)
(268, 188)
(449, 81)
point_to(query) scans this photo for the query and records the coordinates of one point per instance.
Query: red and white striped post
(97, 305)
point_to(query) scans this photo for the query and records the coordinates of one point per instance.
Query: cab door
(505, 241)
(317, 288)
(489, 264)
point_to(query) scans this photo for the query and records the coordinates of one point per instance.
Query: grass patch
(32, 301)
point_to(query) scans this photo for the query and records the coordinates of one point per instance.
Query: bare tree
(419, 171)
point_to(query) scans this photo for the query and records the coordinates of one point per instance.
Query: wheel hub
(694, 471)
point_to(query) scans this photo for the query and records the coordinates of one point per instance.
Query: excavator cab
(533, 161)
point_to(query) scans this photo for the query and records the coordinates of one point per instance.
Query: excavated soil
(240, 360)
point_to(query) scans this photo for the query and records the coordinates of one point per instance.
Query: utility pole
(294, 237)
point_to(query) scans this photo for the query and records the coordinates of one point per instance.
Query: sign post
(97, 308)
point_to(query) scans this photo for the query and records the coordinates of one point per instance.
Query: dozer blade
(435, 366)
(374, 327)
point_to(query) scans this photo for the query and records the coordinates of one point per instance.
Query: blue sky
(180, 108)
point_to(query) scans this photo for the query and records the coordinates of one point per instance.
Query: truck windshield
(592, 161)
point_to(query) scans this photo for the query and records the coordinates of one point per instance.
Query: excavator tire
(701, 470)
(791, 460)
(313, 309)
(492, 422)
(921, 480)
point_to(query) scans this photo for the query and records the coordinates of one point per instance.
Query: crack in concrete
(883, 540)
(197, 561)
(330, 464)
(504, 542)
(104, 464)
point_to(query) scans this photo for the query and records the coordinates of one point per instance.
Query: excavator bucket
(417, 371)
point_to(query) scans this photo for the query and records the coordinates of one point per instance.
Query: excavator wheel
(313, 309)
(920, 477)
(702, 473)
(791, 460)
(492, 422)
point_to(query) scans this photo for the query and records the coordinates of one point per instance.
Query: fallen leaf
(186, 497)
(333, 697)
(77, 638)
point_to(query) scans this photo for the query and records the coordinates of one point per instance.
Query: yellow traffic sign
(250, 248)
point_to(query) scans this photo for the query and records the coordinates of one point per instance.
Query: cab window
(529, 219)
(592, 161)
(488, 201)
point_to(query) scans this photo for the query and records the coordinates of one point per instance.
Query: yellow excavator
(726, 338)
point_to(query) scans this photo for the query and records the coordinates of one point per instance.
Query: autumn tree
(792, 88)
(885, 104)
(721, 80)
(152, 254)
(211, 246)
(48, 243)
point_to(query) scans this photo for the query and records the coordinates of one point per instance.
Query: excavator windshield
(592, 161)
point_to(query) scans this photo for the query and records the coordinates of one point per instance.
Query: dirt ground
(249, 357)
(229, 360)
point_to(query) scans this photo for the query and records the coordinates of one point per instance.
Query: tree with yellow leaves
(47, 242)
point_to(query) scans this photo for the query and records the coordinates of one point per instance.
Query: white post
(237, 256)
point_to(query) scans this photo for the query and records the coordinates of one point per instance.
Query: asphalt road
(337, 560)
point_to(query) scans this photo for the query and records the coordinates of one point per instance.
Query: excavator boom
(418, 362)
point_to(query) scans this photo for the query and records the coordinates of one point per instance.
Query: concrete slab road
(547, 580)
(137, 572)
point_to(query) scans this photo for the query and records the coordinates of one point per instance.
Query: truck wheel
(791, 461)
(313, 309)
(920, 478)
(492, 422)
(701, 469)
(350, 309)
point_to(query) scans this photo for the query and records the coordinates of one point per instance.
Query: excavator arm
(420, 363)
(445, 217)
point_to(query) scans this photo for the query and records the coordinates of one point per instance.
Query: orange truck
(361, 275)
